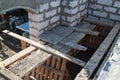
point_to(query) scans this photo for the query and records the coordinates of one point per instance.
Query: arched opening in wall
(15, 20)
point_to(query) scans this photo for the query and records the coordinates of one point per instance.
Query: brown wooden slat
(17, 56)
(98, 22)
(58, 64)
(53, 62)
(46, 69)
(75, 45)
(63, 67)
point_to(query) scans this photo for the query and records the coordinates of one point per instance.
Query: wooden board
(75, 45)
(99, 22)
(55, 35)
(17, 56)
(87, 71)
(9, 75)
(85, 26)
(87, 31)
(26, 65)
(74, 37)
(47, 48)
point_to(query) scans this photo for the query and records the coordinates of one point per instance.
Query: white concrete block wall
(100, 13)
(105, 2)
(44, 7)
(51, 13)
(73, 11)
(47, 18)
(70, 12)
(111, 8)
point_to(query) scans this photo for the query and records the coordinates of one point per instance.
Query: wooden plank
(55, 35)
(74, 37)
(37, 72)
(17, 56)
(87, 31)
(46, 70)
(47, 48)
(53, 62)
(29, 63)
(99, 22)
(83, 25)
(63, 67)
(87, 71)
(42, 73)
(58, 64)
(9, 75)
(75, 45)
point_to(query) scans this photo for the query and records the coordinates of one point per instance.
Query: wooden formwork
(50, 66)
(37, 65)
(53, 69)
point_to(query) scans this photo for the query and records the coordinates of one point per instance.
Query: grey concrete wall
(105, 9)
(5, 4)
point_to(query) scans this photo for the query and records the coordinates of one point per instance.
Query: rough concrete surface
(111, 69)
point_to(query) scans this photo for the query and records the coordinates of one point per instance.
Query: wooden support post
(23, 45)
(47, 48)
(91, 65)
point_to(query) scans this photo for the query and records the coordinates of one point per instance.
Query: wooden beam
(9, 75)
(98, 22)
(29, 63)
(91, 65)
(87, 31)
(47, 48)
(17, 56)
(75, 45)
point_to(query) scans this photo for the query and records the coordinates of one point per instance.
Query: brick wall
(73, 11)
(105, 9)
(48, 17)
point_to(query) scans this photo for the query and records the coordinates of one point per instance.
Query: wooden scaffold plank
(91, 65)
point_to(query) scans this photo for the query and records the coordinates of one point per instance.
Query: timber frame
(85, 73)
